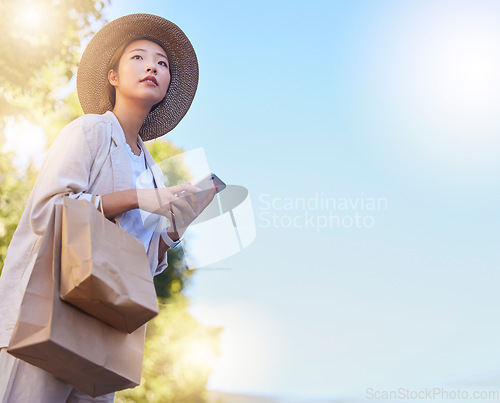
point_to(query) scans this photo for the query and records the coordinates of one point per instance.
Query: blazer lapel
(122, 173)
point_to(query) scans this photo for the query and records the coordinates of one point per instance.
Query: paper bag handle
(99, 208)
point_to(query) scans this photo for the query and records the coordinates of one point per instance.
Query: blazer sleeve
(66, 169)
(157, 263)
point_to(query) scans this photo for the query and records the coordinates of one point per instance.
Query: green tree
(39, 53)
(179, 356)
(167, 156)
(40, 48)
(15, 186)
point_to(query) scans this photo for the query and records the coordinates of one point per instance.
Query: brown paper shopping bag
(104, 269)
(70, 344)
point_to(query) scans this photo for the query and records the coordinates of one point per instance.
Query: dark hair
(110, 91)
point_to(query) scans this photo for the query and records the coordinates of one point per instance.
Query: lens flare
(30, 18)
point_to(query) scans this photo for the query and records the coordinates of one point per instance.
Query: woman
(136, 81)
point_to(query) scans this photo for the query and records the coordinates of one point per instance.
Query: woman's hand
(181, 204)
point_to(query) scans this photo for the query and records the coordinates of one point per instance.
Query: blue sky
(350, 99)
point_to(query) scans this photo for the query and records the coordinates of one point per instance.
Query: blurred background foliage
(41, 45)
(179, 356)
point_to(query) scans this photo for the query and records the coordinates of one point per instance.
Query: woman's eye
(163, 63)
(137, 57)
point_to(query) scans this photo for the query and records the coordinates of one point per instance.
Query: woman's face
(143, 74)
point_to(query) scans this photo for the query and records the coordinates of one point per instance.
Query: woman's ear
(112, 78)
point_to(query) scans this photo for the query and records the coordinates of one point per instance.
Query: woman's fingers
(192, 200)
(205, 198)
(189, 192)
(184, 207)
(184, 187)
(185, 202)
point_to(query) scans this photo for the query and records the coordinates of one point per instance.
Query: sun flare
(450, 87)
(26, 140)
(30, 18)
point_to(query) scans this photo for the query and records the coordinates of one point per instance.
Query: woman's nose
(151, 70)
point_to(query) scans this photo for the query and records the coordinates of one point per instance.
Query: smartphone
(209, 181)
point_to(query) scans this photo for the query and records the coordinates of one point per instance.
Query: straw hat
(93, 75)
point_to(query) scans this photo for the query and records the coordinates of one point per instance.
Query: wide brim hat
(92, 74)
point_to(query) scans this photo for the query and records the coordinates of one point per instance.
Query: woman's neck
(131, 119)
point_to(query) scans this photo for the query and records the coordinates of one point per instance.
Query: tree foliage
(40, 48)
(179, 356)
(175, 278)
(15, 186)
(39, 51)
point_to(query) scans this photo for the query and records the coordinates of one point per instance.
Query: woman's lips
(150, 80)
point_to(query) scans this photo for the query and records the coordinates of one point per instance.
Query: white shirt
(133, 221)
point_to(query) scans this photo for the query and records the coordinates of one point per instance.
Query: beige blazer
(88, 157)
